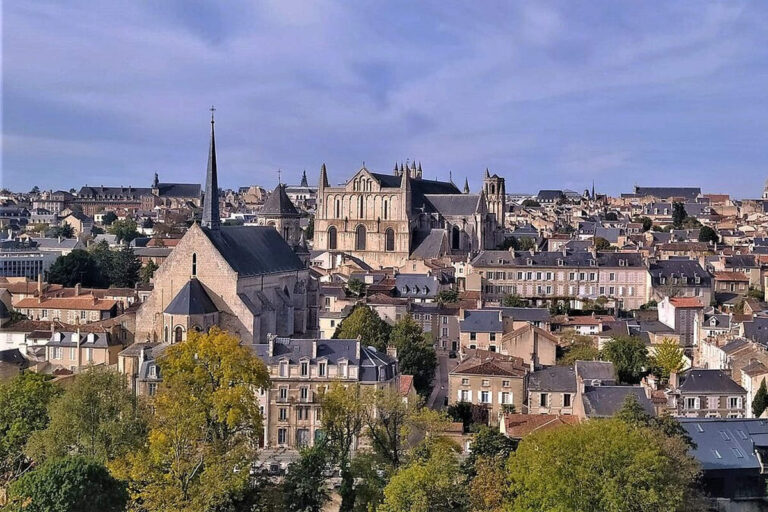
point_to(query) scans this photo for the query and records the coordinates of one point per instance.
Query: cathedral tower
(495, 196)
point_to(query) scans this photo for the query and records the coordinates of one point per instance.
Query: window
(543, 399)
(332, 237)
(343, 369)
(282, 436)
(152, 371)
(386, 209)
(485, 397)
(44, 313)
(612, 276)
(178, 334)
(283, 368)
(566, 399)
(151, 388)
(464, 396)
(304, 368)
(691, 403)
(194, 264)
(486, 382)
(304, 393)
(89, 354)
(282, 413)
(283, 394)
(165, 334)
(493, 336)
(506, 397)
(360, 238)
(83, 315)
(445, 332)
(734, 402)
(465, 382)
(505, 383)
(72, 354)
(473, 336)
(321, 369)
(389, 242)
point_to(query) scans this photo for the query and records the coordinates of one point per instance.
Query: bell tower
(495, 196)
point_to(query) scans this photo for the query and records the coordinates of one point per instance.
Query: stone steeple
(304, 179)
(211, 217)
(466, 186)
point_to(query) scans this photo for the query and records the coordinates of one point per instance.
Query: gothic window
(178, 333)
(456, 238)
(332, 237)
(194, 264)
(360, 238)
(389, 244)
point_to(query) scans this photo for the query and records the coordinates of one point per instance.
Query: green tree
(488, 443)
(513, 300)
(125, 230)
(343, 419)
(577, 348)
(65, 230)
(678, 214)
(356, 287)
(530, 203)
(76, 267)
(669, 357)
(35, 190)
(23, 410)
(431, 484)
(108, 218)
(707, 234)
(97, 417)
(125, 268)
(601, 465)
(760, 402)
(65, 485)
(633, 414)
(448, 297)
(147, 272)
(525, 243)
(366, 323)
(601, 244)
(646, 221)
(628, 355)
(304, 487)
(415, 356)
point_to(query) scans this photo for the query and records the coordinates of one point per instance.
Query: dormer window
(559, 262)
(622, 262)
(662, 280)
(529, 261)
(304, 366)
(342, 369)
(696, 279)
(152, 371)
(283, 368)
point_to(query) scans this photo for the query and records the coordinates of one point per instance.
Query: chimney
(565, 251)
(271, 340)
(40, 285)
(141, 355)
(76, 339)
(314, 349)
(357, 348)
(673, 380)
(77, 289)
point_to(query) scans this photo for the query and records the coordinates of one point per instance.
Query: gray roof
(278, 203)
(113, 192)
(454, 205)
(179, 190)
(550, 195)
(595, 370)
(432, 246)
(690, 193)
(679, 268)
(527, 314)
(87, 339)
(192, 299)
(477, 320)
(4, 313)
(551, 259)
(708, 381)
(416, 286)
(757, 330)
(605, 401)
(58, 244)
(726, 443)
(254, 250)
(554, 378)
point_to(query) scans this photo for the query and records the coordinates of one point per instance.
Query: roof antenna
(279, 180)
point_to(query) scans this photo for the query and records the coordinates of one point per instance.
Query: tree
(601, 244)
(76, 267)
(669, 357)
(67, 484)
(678, 214)
(577, 348)
(304, 488)
(646, 221)
(35, 190)
(707, 234)
(468, 414)
(356, 287)
(97, 417)
(205, 430)
(125, 268)
(65, 230)
(108, 218)
(628, 355)
(633, 414)
(430, 484)
(525, 243)
(513, 300)
(309, 232)
(387, 420)
(343, 418)
(601, 465)
(760, 402)
(530, 203)
(414, 355)
(447, 297)
(23, 410)
(366, 323)
(124, 230)
(147, 272)
(488, 443)
(487, 492)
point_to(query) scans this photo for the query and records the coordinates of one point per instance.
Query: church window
(386, 209)
(360, 207)
(332, 237)
(456, 238)
(165, 334)
(389, 239)
(178, 333)
(360, 238)
(194, 264)
(338, 209)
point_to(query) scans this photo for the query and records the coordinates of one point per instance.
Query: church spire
(466, 186)
(304, 179)
(211, 217)
(593, 190)
(323, 177)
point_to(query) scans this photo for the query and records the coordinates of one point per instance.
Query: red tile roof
(81, 302)
(406, 384)
(731, 276)
(686, 302)
(521, 425)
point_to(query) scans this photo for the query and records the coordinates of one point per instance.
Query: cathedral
(245, 279)
(386, 219)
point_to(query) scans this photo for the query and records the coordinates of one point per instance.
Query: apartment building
(699, 393)
(543, 277)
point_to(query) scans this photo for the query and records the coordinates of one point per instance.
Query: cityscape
(320, 335)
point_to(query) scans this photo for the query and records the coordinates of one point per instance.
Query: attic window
(699, 427)
(725, 435)
(529, 261)
(737, 453)
(559, 262)
(621, 263)
(717, 454)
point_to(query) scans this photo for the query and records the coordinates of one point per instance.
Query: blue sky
(548, 94)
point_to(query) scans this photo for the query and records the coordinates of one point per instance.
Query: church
(386, 219)
(245, 279)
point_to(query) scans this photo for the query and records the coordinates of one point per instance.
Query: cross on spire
(279, 177)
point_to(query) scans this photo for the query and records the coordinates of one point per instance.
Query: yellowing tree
(669, 357)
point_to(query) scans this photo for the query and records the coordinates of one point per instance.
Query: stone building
(245, 279)
(280, 213)
(384, 219)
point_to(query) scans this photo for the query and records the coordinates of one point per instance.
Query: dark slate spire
(466, 186)
(279, 204)
(211, 217)
(304, 179)
(593, 189)
(323, 177)
(156, 182)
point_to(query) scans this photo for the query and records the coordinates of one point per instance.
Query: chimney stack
(77, 289)
(40, 285)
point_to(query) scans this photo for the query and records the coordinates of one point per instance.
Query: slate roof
(192, 299)
(527, 314)
(477, 320)
(432, 246)
(66, 339)
(680, 268)
(454, 205)
(254, 250)
(278, 203)
(550, 195)
(726, 443)
(554, 378)
(419, 189)
(179, 190)
(4, 313)
(551, 258)
(757, 330)
(595, 370)
(416, 286)
(755, 368)
(708, 381)
(605, 401)
(690, 193)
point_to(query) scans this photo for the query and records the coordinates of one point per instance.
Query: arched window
(165, 334)
(386, 209)
(332, 237)
(338, 208)
(178, 333)
(389, 242)
(360, 208)
(456, 238)
(194, 264)
(360, 238)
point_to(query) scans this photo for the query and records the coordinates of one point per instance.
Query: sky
(547, 94)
